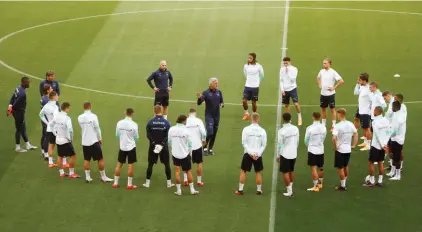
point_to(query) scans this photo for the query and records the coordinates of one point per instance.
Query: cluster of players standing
(189, 139)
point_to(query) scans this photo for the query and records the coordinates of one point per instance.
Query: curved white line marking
(180, 9)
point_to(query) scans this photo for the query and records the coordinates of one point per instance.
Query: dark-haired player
(47, 114)
(17, 107)
(364, 110)
(314, 140)
(328, 81)
(288, 86)
(254, 74)
(63, 130)
(163, 81)
(403, 109)
(127, 133)
(287, 144)
(398, 136)
(44, 141)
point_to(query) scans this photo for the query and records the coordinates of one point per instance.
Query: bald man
(163, 82)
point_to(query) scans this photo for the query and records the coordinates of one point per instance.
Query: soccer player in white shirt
(343, 133)
(91, 142)
(254, 141)
(328, 81)
(127, 133)
(181, 146)
(364, 110)
(198, 135)
(254, 74)
(314, 140)
(63, 130)
(376, 100)
(388, 98)
(47, 114)
(399, 97)
(397, 140)
(382, 132)
(287, 144)
(288, 86)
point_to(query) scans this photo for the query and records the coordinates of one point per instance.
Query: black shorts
(51, 138)
(328, 101)
(164, 155)
(287, 165)
(365, 121)
(290, 94)
(396, 149)
(130, 156)
(316, 160)
(65, 150)
(161, 98)
(247, 163)
(376, 155)
(357, 114)
(185, 163)
(93, 152)
(197, 156)
(389, 145)
(341, 160)
(251, 94)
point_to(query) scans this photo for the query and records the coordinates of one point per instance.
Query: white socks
(241, 186)
(87, 174)
(372, 179)
(333, 122)
(324, 122)
(129, 181)
(290, 188)
(168, 182)
(71, 171)
(165, 116)
(64, 161)
(116, 180)
(103, 175)
(401, 164)
(178, 188)
(192, 189)
(343, 183)
(380, 179)
(28, 144)
(299, 116)
(315, 182)
(61, 171)
(18, 147)
(185, 177)
(50, 160)
(258, 187)
(246, 112)
(199, 179)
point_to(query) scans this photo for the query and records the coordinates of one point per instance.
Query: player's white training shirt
(389, 113)
(61, 126)
(382, 132)
(91, 132)
(364, 98)
(288, 141)
(254, 139)
(403, 109)
(288, 77)
(180, 141)
(48, 112)
(197, 130)
(314, 138)
(254, 73)
(398, 127)
(344, 131)
(127, 133)
(377, 100)
(328, 78)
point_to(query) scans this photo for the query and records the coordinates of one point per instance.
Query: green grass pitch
(115, 54)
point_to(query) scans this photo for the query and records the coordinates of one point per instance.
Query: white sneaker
(88, 180)
(145, 185)
(390, 174)
(177, 193)
(363, 137)
(20, 150)
(170, 185)
(30, 147)
(194, 192)
(395, 178)
(106, 179)
(365, 148)
(288, 194)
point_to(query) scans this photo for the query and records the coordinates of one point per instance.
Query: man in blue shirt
(213, 98)
(50, 78)
(163, 81)
(47, 89)
(157, 133)
(17, 107)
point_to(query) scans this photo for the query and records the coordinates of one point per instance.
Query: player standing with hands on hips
(17, 107)
(254, 74)
(163, 81)
(213, 98)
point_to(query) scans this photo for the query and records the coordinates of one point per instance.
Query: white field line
(4, 64)
(273, 201)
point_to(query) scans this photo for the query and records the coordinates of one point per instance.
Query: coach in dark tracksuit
(213, 101)
(157, 133)
(17, 107)
(163, 81)
(50, 78)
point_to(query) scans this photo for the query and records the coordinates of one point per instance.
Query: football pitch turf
(106, 60)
